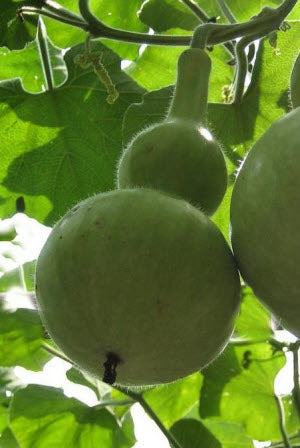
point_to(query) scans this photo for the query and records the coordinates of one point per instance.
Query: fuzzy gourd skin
(180, 156)
(265, 220)
(141, 275)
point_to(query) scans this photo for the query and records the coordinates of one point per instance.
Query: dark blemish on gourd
(110, 365)
(99, 224)
(60, 237)
(149, 149)
(160, 306)
(20, 204)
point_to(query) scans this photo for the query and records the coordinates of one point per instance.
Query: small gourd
(137, 287)
(179, 155)
(265, 219)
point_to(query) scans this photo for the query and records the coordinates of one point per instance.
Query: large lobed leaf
(62, 146)
(26, 64)
(42, 416)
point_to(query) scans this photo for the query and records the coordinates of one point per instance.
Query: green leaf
(26, 64)
(8, 380)
(8, 440)
(239, 388)
(78, 377)
(13, 278)
(72, 144)
(244, 11)
(21, 336)
(190, 433)
(4, 405)
(157, 67)
(42, 416)
(183, 394)
(161, 15)
(15, 34)
(291, 414)
(254, 320)
(210, 434)
(7, 231)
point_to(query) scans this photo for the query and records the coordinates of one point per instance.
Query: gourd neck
(190, 96)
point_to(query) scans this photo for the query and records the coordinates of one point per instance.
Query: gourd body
(178, 158)
(295, 83)
(265, 220)
(141, 275)
(179, 155)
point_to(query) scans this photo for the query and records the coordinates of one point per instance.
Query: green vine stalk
(270, 19)
(44, 54)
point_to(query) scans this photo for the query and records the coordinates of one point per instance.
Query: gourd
(265, 219)
(137, 287)
(180, 155)
(295, 83)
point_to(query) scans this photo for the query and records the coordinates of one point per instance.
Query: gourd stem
(56, 8)
(226, 11)
(138, 397)
(191, 89)
(55, 352)
(242, 69)
(285, 437)
(196, 10)
(44, 54)
(221, 33)
(31, 10)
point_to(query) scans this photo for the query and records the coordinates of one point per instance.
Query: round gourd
(295, 83)
(137, 287)
(179, 155)
(265, 220)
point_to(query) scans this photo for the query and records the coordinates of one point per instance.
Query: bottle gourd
(265, 217)
(179, 155)
(137, 287)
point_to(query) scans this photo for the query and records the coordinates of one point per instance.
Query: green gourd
(179, 155)
(295, 83)
(265, 220)
(137, 287)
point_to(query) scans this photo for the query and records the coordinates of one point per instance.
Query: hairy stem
(114, 403)
(140, 399)
(226, 11)
(198, 12)
(219, 33)
(242, 69)
(195, 8)
(55, 352)
(56, 8)
(281, 416)
(31, 10)
(44, 54)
